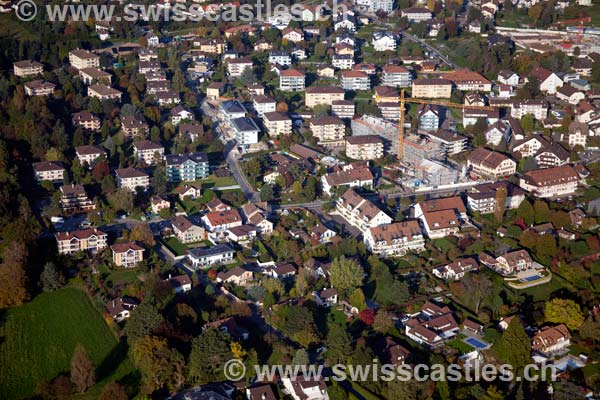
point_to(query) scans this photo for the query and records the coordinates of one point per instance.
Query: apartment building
(103, 92)
(431, 88)
(441, 217)
(277, 123)
(74, 199)
(553, 155)
(370, 125)
(39, 88)
(550, 182)
(203, 257)
(395, 239)
(186, 231)
(134, 125)
(432, 326)
(482, 198)
(127, 255)
(263, 104)
(232, 109)
(551, 339)
(246, 131)
(187, 167)
(280, 57)
(353, 178)
(131, 178)
(355, 80)
(52, 171)
(86, 120)
(327, 129)
(549, 82)
(83, 59)
(237, 66)
(396, 76)
(213, 46)
(486, 163)
(451, 142)
(430, 116)
(90, 240)
(27, 68)
(148, 152)
(93, 75)
(342, 108)
(537, 108)
(383, 41)
(316, 95)
(87, 154)
(467, 80)
(167, 98)
(416, 14)
(360, 212)
(292, 80)
(369, 147)
(342, 61)
(221, 221)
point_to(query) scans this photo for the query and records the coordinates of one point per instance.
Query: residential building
(360, 212)
(553, 155)
(168, 98)
(370, 125)
(190, 191)
(395, 239)
(232, 109)
(550, 182)
(39, 88)
(432, 326)
(508, 78)
(551, 339)
(86, 120)
(537, 108)
(342, 108)
(471, 116)
(280, 57)
(549, 82)
(491, 164)
(326, 297)
(221, 221)
(509, 263)
(430, 117)
(237, 276)
(327, 128)
(181, 283)
(134, 125)
(93, 75)
(103, 92)
(418, 148)
(186, 231)
(530, 146)
(87, 154)
(441, 217)
(257, 214)
(148, 152)
(498, 132)
(382, 5)
(277, 123)
(159, 203)
(342, 61)
(465, 79)
(265, 104)
(27, 68)
(383, 41)
(52, 171)
(369, 147)
(246, 131)
(291, 80)
(90, 240)
(74, 199)
(127, 255)
(187, 167)
(214, 90)
(237, 66)
(482, 198)
(355, 80)
(83, 59)
(326, 71)
(120, 308)
(569, 94)
(292, 34)
(203, 257)
(431, 88)
(214, 46)
(131, 178)
(316, 95)
(304, 388)
(396, 76)
(416, 14)
(456, 270)
(179, 113)
(262, 392)
(451, 142)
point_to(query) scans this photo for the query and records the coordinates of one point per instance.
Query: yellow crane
(404, 100)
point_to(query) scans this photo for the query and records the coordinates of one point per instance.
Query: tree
(158, 364)
(143, 320)
(357, 299)
(541, 211)
(82, 369)
(527, 123)
(143, 234)
(267, 193)
(210, 352)
(590, 329)
(525, 211)
(301, 357)
(159, 179)
(391, 291)
(514, 347)
(122, 200)
(113, 391)
(367, 316)
(338, 343)
(50, 279)
(500, 203)
(13, 277)
(346, 275)
(546, 247)
(297, 323)
(383, 321)
(564, 311)
(478, 286)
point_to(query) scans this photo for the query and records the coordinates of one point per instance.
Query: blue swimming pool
(531, 278)
(476, 343)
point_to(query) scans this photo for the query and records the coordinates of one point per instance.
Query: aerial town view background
(200, 192)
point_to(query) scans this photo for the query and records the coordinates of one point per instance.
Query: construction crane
(580, 23)
(404, 100)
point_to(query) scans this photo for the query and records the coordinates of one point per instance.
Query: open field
(38, 339)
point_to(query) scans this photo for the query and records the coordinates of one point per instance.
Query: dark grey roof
(245, 124)
(175, 159)
(209, 251)
(233, 106)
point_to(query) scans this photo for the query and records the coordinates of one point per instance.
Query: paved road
(232, 158)
(430, 48)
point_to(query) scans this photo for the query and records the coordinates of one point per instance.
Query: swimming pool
(531, 278)
(476, 343)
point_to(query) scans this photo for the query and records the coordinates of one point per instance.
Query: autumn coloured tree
(82, 370)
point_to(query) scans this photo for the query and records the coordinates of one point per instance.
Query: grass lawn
(123, 276)
(443, 244)
(38, 340)
(214, 181)
(543, 292)
(175, 246)
(461, 346)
